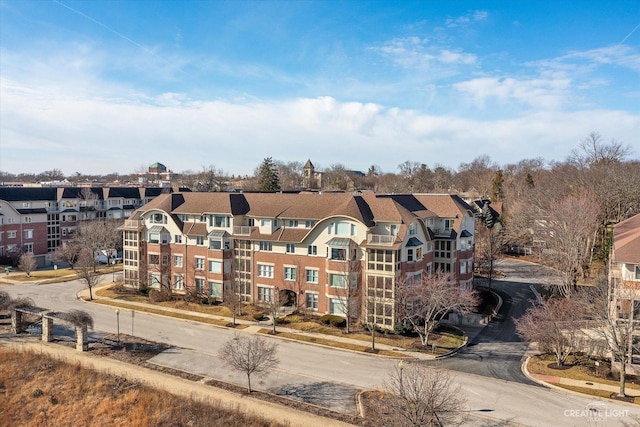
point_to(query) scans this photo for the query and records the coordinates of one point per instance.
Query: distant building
(39, 219)
(311, 179)
(157, 174)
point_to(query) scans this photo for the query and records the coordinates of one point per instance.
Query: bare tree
(272, 306)
(94, 236)
(346, 286)
(27, 263)
(424, 301)
(567, 226)
(298, 285)
(85, 269)
(290, 174)
(250, 355)
(67, 253)
(593, 150)
(233, 299)
(420, 396)
(614, 307)
(488, 239)
(5, 300)
(556, 325)
(78, 318)
(376, 291)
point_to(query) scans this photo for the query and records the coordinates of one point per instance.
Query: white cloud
(417, 53)
(546, 92)
(73, 132)
(474, 16)
(619, 55)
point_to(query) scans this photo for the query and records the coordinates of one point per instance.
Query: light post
(132, 314)
(400, 368)
(118, 323)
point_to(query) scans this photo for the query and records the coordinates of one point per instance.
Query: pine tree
(496, 186)
(268, 179)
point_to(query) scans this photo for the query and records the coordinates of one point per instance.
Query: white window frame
(178, 281)
(290, 273)
(290, 248)
(266, 246)
(217, 285)
(314, 275)
(214, 262)
(312, 250)
(178, 260)
(314, 297)
(265, 270)
(199, 263)
(265, 293)
(342, 285)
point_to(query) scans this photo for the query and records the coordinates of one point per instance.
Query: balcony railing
(133, 224)
(380, 239)
(243, 230)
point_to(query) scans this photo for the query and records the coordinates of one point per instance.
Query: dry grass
(39, 391)
(592, 392)
(445, 341)
(332, 343)
(177, 315)
(56, 276)
(578, 369)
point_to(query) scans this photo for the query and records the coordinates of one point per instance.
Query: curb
(526, 372)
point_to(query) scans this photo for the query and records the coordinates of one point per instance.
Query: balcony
(132, 224)
(243, 230)
(380, 239)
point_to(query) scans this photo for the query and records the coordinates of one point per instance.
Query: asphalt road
(331, 377)
(497, 351)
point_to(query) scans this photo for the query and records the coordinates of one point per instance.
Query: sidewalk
(253, 327)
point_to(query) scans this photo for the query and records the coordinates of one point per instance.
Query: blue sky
(112, 86)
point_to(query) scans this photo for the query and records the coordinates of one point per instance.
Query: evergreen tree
(496, 186)
(268, 179)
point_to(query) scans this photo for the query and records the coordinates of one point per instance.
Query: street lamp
(400, 368)
(118, 323)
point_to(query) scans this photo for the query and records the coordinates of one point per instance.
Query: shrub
(156, 295)
(258, 317)
(333, 320)
(403, 329)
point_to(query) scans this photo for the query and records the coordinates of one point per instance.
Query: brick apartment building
(39, 219)
(319, 250)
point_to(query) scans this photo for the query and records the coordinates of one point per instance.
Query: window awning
(339, 242)
(156, 229)
(465, 233)
(216, 234)
(414, 242)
